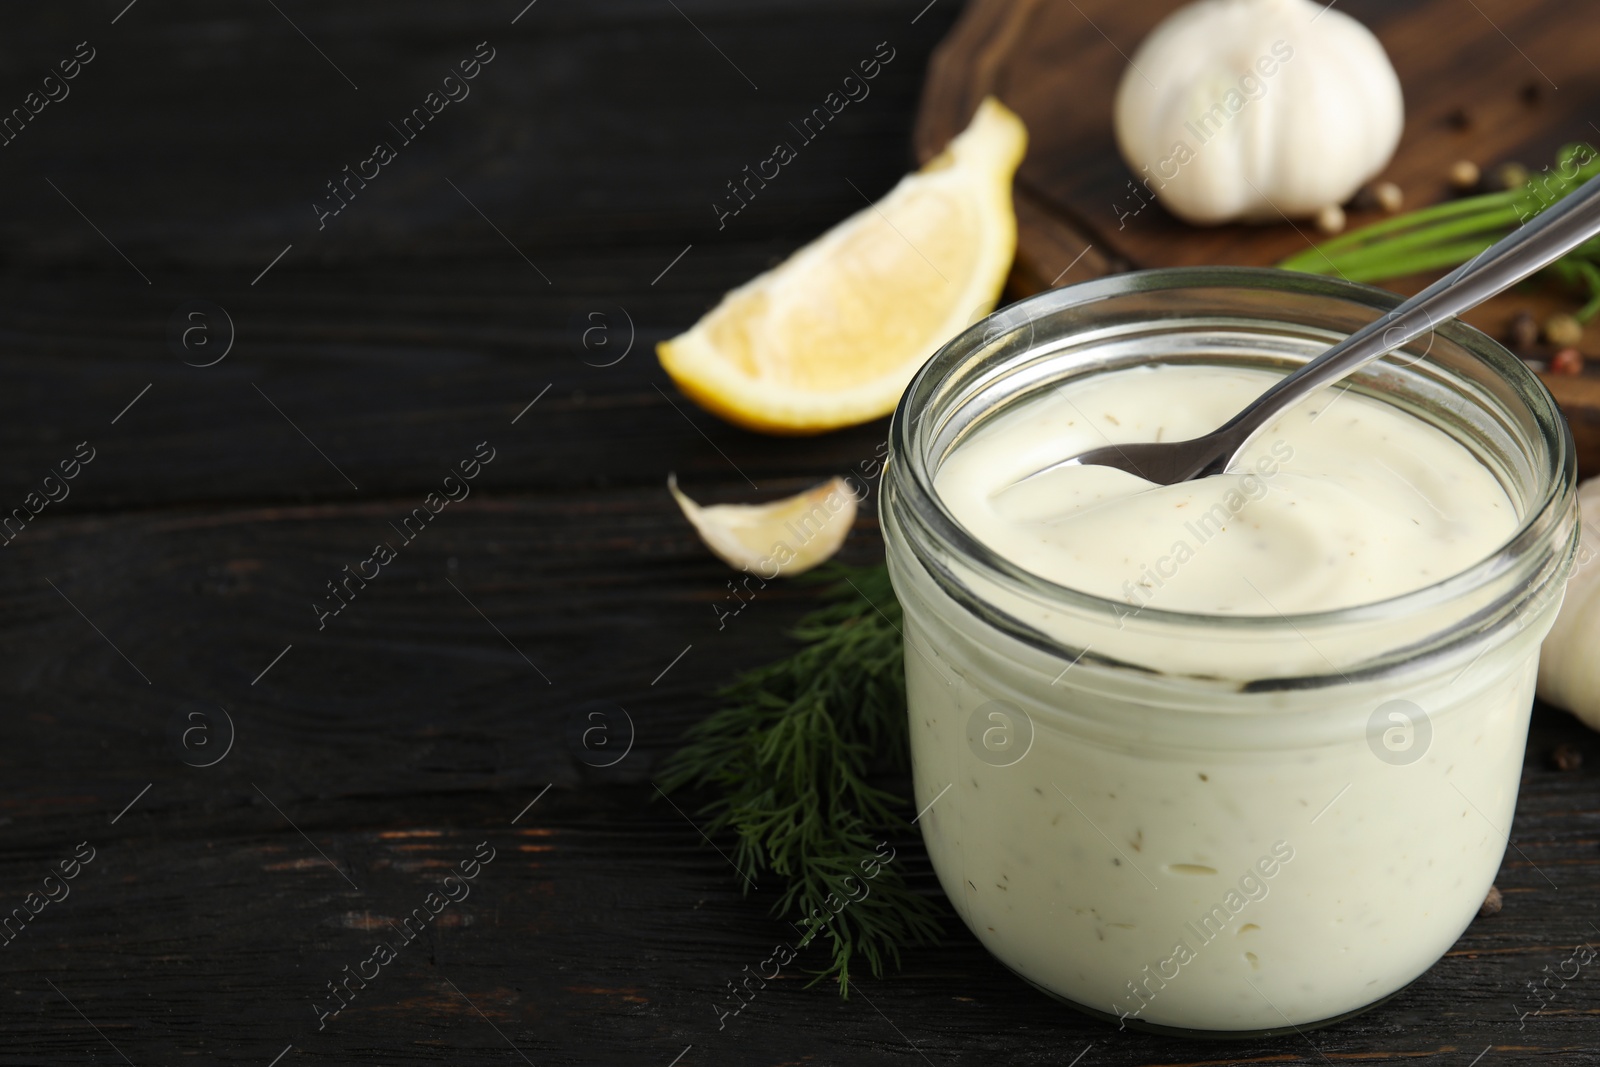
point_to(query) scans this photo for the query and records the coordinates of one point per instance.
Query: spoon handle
(1555, 232)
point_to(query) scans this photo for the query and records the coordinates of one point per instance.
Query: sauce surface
(1343, 501)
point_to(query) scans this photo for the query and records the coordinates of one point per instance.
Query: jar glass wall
(1217, 823)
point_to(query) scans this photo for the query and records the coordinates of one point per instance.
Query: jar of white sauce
(1238, 755)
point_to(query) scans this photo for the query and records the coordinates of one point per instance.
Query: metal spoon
(1557, 231)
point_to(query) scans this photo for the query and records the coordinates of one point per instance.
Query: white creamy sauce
(1142, 856)
(1342, 501)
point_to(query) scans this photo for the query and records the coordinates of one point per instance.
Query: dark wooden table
(265, 790)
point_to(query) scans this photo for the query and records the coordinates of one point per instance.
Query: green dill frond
(789, 756)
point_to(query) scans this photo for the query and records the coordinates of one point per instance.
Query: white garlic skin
(1300, 138)
(1569, 660)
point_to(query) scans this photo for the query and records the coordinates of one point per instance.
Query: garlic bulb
(1569, 668)
(1254, 110)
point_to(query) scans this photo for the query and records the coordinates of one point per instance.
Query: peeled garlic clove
(786, 536)
(1569, 669)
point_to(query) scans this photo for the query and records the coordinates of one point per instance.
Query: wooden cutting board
(1485, 80)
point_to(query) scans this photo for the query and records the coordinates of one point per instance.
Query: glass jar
(1219, 824)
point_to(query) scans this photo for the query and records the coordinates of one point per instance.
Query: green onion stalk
(1447, 235)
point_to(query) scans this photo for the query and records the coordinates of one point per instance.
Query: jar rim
(915, 476)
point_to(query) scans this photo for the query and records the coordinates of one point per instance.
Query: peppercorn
(1567, 757)
(1464, 174)
(1491, 903)
(1509, 176)
(1389, 196)
(1523, 332)
(1458, 119)
(1567, 361)
(1563, 331)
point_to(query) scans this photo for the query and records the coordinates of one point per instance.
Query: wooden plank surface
(372, 757)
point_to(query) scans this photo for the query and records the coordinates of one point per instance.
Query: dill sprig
(1449, 234)
(791, 754)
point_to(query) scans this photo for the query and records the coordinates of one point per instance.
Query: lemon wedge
(786, 536)
(831, 336)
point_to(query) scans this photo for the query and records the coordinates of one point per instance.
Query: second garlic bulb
(1257, 109)
(1569, 669)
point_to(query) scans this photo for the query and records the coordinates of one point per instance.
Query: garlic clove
(1569, 669)
(787, 536)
